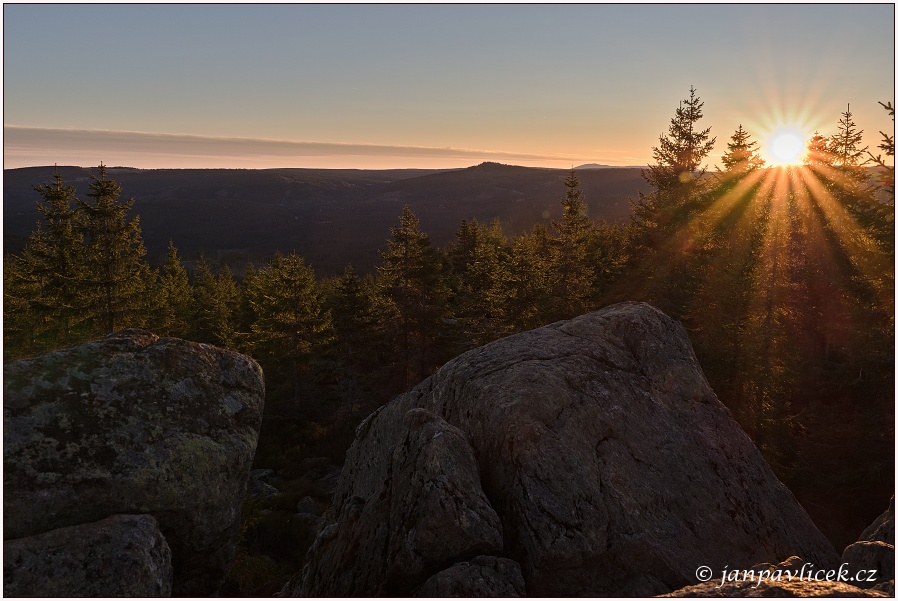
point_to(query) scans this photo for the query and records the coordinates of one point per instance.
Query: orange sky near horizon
(429, 86)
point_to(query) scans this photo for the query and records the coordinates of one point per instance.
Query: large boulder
(119, 556)
(592, 452)
(134, 424)
(428, 513)
(874, 552)
(481, 577)
(875, 558)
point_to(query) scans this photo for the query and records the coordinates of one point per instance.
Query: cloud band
(29, 143)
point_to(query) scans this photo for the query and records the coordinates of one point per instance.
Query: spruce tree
(461, 251)
(818, 154)
(850, 183)
(741, 156)
(20, 324)
(228, 303)
(216, 304)
(290, 322)
(486, 284)
(677, 177)
(886, 174)
(175, 295)
(204, 304)
(845, 145)
(575, 272)
(532, 280)
(412, 279)
(53, 263)
(360, 343)
(116, 273)
(879, 216)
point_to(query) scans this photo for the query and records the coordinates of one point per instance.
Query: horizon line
(28, 146)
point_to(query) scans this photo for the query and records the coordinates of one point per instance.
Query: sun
(785, 147)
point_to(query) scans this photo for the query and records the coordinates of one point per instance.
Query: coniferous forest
(782, 276)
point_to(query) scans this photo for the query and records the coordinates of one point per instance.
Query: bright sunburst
(785, 147)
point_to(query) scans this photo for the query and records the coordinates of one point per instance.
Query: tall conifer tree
(175, 296)
(53, 262)
(290, 322)
(116, 274)
(677, 177)
(742, 155)
(412, 279)
(818, 154)
(845, 145)
(574, 270)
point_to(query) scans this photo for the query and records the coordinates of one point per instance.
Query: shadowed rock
(883, 527)
(139, 425)
(120, 556)
(611, 465)
(481, 577)
(876, 558)
(874, 552)
(408, 514)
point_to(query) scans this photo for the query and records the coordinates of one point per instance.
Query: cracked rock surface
(874, 552)
(591, 453)
(134, 424)
(120, 556)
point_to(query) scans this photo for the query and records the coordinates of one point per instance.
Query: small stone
(309, 505)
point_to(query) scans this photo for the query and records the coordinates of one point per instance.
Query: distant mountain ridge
(592, 166)
(331, 217)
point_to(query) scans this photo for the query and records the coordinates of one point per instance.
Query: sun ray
(860, 249)
(762, 335)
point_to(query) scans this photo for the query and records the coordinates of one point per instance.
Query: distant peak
(592, 166)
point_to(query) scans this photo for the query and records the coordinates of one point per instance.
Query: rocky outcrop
(258, 488)
(134, 424)
(433, 498)
(883, 527)
(591, 452)
(481, 577)
(120, 556)
(875, 558)
(874, 552)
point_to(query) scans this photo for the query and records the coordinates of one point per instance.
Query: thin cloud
(25, 145)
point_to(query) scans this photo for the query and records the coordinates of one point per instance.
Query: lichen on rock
(137, 424)
(119, 556)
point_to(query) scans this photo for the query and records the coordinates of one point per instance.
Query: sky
(425, 86)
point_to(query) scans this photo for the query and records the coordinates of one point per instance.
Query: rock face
(134, 424)
(591, 452)
(874, 552)
(883, 527)
(876, 558)
(481, 577)
(120, 556)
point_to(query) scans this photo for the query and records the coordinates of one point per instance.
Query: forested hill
(331, 217)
